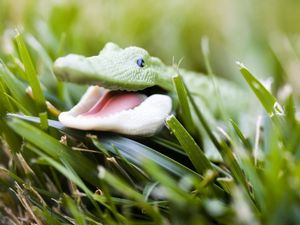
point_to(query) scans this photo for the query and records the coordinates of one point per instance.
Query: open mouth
(131, 113)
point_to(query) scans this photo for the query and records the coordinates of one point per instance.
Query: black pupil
(140, 62)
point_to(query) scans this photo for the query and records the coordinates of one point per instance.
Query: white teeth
(145, 119)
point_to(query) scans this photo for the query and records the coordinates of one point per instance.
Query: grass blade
(185, 111)
(31, 74)
(76, 212)
(245, 141)
(18, 104)
(168, 144)
(195, 154)
(16, 88)
(172, 191)
(203, 121)
(4, 101)
(44, 120)
(134, 152)
(268, 101)
(205, 52)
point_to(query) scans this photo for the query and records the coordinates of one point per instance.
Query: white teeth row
(145, 119)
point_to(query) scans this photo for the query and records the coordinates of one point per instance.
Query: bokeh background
(264, 35)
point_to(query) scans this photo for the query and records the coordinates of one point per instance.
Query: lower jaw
(145, 119)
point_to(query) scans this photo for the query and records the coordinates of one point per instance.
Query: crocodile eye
(140, 62)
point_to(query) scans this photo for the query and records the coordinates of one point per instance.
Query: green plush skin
(116, 68)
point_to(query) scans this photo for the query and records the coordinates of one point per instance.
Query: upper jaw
(145, 115)
(97, 70)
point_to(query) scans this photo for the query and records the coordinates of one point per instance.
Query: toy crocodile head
(112, 103)
(115, 68)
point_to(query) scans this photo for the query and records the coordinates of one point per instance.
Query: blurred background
(264, 35)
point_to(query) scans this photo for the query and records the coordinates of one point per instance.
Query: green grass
(50, 174)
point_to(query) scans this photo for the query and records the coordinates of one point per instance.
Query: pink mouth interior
(112, 102)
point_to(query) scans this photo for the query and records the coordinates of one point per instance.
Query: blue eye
(140, 62)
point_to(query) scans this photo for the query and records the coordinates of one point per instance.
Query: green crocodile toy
(116, 100)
